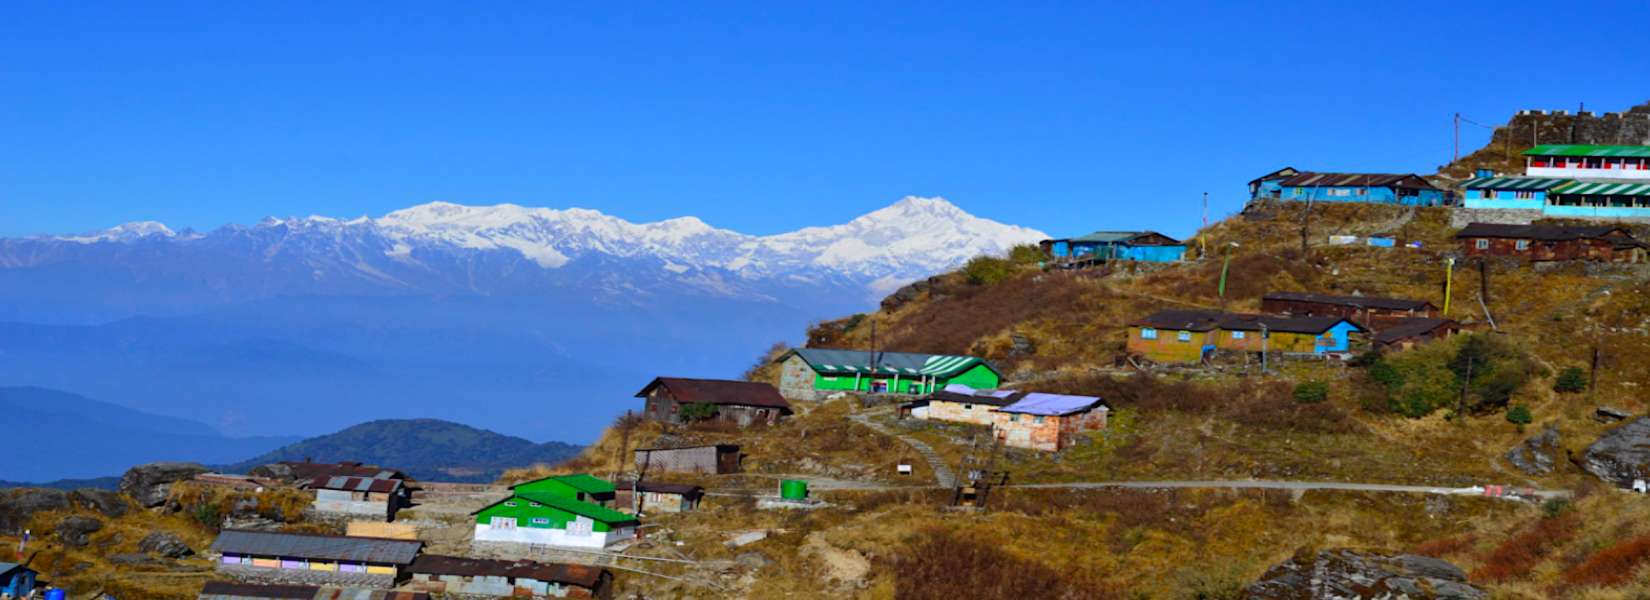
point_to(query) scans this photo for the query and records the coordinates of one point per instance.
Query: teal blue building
(1405, 189)
(16, 581)
(1526, 193)
(1105, 246)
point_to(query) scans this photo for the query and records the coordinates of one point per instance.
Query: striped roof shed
(1588, 150)
(912, 364)
(356, 484)
(326, 547)
(1604, 187)
(1518, 184)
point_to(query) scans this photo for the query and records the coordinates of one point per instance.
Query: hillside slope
(428, 449)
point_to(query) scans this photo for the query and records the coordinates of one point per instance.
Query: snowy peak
(125, 232)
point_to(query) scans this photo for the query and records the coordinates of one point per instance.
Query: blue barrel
(55, 594)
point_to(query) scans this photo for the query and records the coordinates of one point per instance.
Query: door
(502, 522)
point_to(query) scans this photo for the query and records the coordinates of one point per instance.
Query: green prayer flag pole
(1223, 268)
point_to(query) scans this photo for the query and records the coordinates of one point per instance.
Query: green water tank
(793, 489)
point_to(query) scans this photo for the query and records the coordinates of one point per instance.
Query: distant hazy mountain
(50, 435)
(427, 449)
(531, 321)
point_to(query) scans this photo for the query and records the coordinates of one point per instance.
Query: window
(1524, 195)
(1522, 244)
(1481, 244)
(1363, 191)
(1147, 333)
(1340, 192)
(511, 503)
(502, 522)
(1237, 335)
(968, 407)
(1014, 417)
(541, 521)
(1037, 419)
(581, 527)
(533, 504)
(1184, 336)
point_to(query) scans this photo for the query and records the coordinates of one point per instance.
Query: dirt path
(942, 472)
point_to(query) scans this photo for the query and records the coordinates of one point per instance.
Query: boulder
(109, 503)
(1343, 574)
(1621, 455)
(150, 484)
(76, 531)
(21, 505)
(1537, 455)
(165, 544)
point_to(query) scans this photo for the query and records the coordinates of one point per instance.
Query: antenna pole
(1457, 138)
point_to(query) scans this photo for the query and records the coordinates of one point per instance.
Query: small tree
(1520, 415)
(986, 270)
(1570, 381)
(698, 411)
(1311, 392)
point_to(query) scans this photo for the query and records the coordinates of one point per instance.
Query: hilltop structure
(739, 402)
(1575, 181)
(815, 373)
(1407, 189)
(1107, 246)
(1539, 243)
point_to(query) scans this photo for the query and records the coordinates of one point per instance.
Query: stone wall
(252, 574)
(1535, 127)
(796, 380)
(1460, 217)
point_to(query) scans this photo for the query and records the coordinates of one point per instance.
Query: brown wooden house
(1363, 310)
(1403, 334)
(1535, 243)
(718, 459)
(741, 402)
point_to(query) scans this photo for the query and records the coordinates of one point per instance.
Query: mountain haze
(531, 321)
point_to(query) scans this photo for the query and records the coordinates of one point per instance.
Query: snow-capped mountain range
(910, 239)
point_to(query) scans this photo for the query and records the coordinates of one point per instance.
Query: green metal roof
(586, 509)
(583, 482)
(829, 361)
(1514, 183)
(1605, 188)
(1587, 150)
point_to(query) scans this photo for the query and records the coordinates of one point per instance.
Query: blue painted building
(1269, 185)
(1378, 188)
(1528, 193)
(1104, 246)
(1600, 199)
(16, 580)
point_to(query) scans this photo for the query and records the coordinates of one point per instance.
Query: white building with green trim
(556, 511)
(815, 373)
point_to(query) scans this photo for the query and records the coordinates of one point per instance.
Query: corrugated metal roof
(1410, 327)
(1180, 320)
(1281, 323)
(1038, 403)
(217, 590)
(580, 575)
(1113, 237)
(719, 391)
(1536, 232)
(827, 360)
(584, 482)
(1604, 187)
(330, 547)
(595, 512)
(1514, 183)
(1401, 180)
(8, 566)
(1588, 150)
(356, 484)
(1352, 301)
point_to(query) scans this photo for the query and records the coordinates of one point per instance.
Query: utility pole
(1449, 280)
(1265, 336)
(1457, 138)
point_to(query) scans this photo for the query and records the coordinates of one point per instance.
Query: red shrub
(1520, 553)
(1611, 566)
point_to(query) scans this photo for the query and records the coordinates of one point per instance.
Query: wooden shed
(1537, 243)
(739, 402)
(1406, 333)
(715, 459)
(1363, 310)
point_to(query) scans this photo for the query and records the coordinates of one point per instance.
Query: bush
(987, 270)
(1571, 380)
(1519, 415)
(698, 411)
(1026, 254)
(1611, 566)
(1517, 555)
(1311, 392)
(1419, 381)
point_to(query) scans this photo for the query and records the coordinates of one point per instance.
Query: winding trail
(943, 476)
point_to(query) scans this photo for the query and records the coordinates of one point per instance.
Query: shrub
(941, 564)
(1519, 415)
(698, 411)
(1026, 254)
(1611, 566)
(1311, 392)
(1519, 553)
(987, 270)
(1419, 381)
(1571, 380)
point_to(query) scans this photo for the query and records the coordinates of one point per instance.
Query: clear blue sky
(761, 117)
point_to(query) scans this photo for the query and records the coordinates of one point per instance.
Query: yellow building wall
(1168, 348)
(318, 565)
(379, 569)
(954, 412)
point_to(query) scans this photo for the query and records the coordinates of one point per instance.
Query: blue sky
(760, 117)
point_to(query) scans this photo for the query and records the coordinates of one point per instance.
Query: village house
(348, 560)
(816, 373)
(1588, 160)
(1406, 189)
(739, 402)
(659, 496)
(546, 516)
(1536, 243)
(1363, 310)
(1489, 191)
(1270, 185)
(714, 459)
(380, 498)
(1048, 422)
(1189, 336)
(234, 590)
(1404, 334)
(299, 472)
(1106, 246)
(17, 581)
(460, 576)
(582, 487)
(959, 403)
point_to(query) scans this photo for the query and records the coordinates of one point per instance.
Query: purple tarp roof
(1037, 403)
(957, 388)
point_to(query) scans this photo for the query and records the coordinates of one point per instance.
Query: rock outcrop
(76, 531)
(1622, 455)
(1537, 455)
(165, 544)
(1351, 574)
(109, 503)
(149, 485)
(21, 505)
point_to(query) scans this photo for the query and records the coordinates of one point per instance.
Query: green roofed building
(1588, 161)
(814, 373)
(548, 512)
